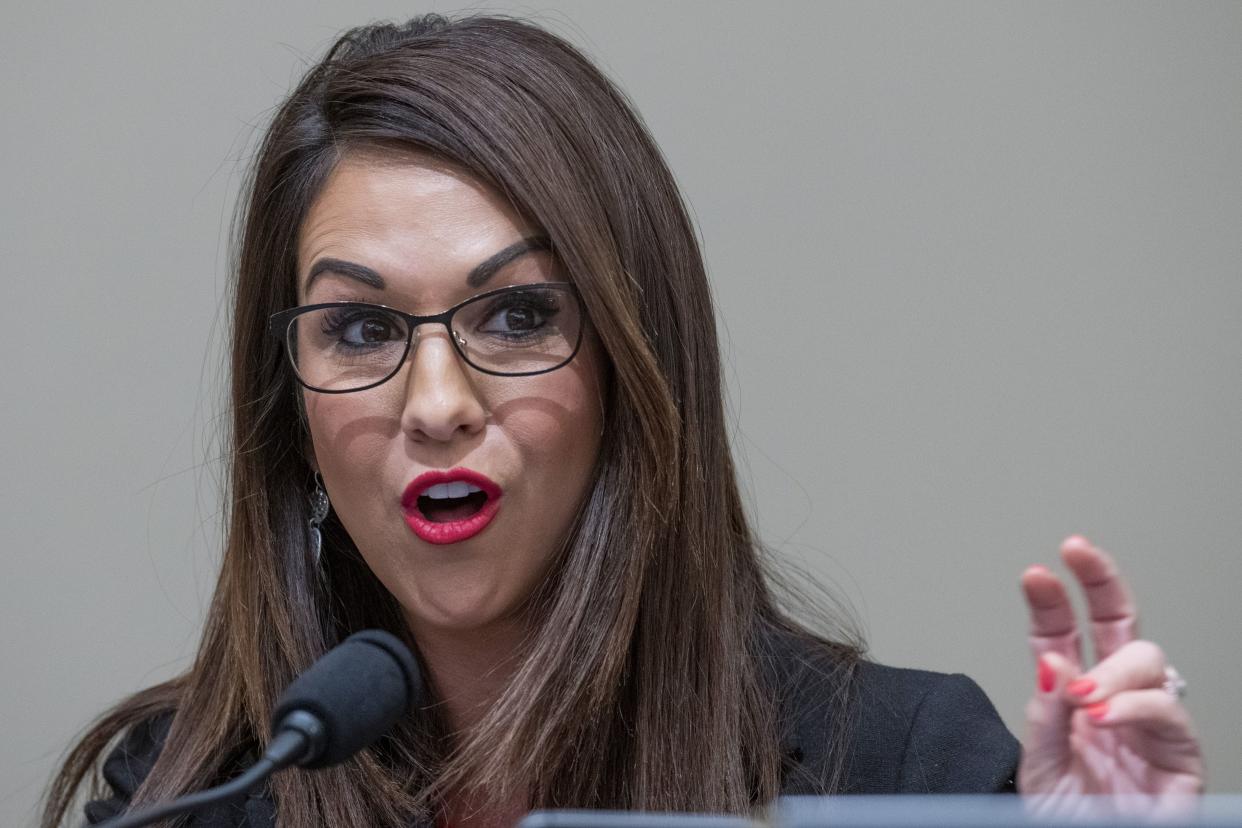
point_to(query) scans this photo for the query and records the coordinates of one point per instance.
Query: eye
(520, 315)
(355, 327)
(364, 331)
(513, 319)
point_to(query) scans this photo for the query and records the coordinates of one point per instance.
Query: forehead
(396, 210)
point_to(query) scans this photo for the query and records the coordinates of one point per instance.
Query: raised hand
(1117, 728)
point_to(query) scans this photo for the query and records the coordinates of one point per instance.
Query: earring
(319, 510)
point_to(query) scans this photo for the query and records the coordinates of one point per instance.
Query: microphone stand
(320, 719)
(284, 750)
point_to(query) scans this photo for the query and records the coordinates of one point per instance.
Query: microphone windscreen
(358, 690)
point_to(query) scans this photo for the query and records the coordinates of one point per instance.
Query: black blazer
(910, 731)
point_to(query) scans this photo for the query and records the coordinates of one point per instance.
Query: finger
(1054, 629)
(1155, 711)
(1046, 750)
(1114, 621)
(1138, 665)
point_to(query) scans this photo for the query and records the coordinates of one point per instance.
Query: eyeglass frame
(280, 323)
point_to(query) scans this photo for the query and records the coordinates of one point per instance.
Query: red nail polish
(1097, 711)
(1081, 687)
(1047, 676)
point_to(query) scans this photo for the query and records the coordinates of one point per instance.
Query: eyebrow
(480, 274)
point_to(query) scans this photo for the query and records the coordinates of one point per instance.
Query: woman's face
(406, 231)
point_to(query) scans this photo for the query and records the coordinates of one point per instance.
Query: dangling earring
(319, 510)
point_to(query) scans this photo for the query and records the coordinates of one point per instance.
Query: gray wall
(977, 268)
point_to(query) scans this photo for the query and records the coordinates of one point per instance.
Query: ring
(1174, 684)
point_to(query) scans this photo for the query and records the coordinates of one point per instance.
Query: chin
(459, 614)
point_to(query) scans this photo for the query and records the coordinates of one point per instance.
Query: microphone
(348, 698)
(345, 701)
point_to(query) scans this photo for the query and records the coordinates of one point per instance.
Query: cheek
(553, 421)
(351, 443)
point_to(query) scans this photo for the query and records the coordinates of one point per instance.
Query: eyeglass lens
(522, 331)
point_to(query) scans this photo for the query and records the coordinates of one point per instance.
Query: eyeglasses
(517, 331)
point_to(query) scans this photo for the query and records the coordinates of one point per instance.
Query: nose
(441, 401)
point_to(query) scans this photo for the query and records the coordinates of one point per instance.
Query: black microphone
(344, 702)
(349, 697)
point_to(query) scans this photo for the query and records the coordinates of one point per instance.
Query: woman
(476, 402)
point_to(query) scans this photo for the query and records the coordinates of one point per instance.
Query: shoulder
(888, 729)
(128, 764)
(943, 727)
(131, 762)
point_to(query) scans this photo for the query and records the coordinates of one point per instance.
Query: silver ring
(1174, 684)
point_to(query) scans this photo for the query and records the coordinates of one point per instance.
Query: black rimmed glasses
(516, 331)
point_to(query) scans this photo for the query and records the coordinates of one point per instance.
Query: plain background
(978, 275)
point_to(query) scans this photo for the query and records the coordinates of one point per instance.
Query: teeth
(444, 491)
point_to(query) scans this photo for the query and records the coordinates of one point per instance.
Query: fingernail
(1097, 711)
(1081, 687)
(1047, 676)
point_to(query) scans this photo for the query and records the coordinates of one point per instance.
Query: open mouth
(449, 506)
(447, 502)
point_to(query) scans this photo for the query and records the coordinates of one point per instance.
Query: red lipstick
(416, 501)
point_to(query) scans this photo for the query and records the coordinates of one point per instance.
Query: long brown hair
(644, 680)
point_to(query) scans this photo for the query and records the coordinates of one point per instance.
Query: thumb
(1046, 749)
